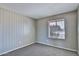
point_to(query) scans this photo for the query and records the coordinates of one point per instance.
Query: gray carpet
(40, 50)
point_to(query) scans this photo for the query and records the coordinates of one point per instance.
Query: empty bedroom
(39, 29)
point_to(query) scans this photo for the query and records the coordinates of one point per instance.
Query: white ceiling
(39, 10)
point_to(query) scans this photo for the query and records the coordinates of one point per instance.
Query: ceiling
(40, 10)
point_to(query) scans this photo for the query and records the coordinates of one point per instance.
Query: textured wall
(70, 42)
(15, 30)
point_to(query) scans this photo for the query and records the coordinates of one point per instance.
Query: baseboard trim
(17, 48)
(38, 43)
(58, 47)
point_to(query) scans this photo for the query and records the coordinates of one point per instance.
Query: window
(56, 29)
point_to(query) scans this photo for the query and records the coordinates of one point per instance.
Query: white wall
(70, 43)
(15, 30)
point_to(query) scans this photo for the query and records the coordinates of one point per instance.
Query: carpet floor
(40, 50)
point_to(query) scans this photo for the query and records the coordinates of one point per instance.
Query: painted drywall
(78, 30)
(70, 43)
(15, 31)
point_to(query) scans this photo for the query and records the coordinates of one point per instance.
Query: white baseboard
(17, 48)
(39, 43)
(58, 47)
